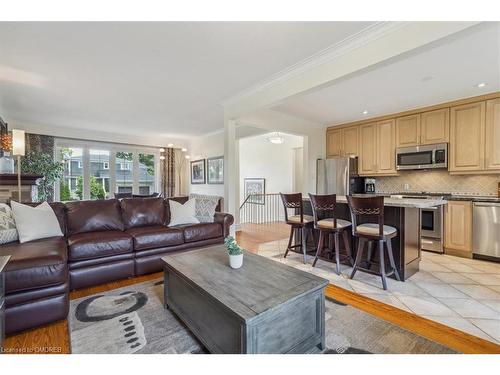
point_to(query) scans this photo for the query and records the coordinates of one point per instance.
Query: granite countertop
(400, 202)
(3, 262)
(474, 198)
(405, 202)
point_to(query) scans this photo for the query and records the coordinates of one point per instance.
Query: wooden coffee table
(263, 307)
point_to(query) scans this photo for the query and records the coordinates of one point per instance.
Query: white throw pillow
(34, 223)
(8, 231)
(182, 213)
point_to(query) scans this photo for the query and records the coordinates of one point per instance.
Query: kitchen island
(402, 214)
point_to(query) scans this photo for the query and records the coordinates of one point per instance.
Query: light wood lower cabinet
(458, 228)
(492, 152)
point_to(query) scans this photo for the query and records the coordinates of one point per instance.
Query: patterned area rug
(132, 320)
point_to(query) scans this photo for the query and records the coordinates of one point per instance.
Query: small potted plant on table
(235, 252)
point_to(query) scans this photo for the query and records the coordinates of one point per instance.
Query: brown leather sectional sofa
(104, 240)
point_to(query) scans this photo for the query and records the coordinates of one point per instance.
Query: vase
(236, 261)
(6, 163)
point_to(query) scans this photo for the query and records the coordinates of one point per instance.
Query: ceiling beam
(373, 45)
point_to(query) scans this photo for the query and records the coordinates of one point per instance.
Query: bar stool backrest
(293, 201)
(371, 209)
(324, 207)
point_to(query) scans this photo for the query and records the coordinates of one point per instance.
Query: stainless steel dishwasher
(486, 229)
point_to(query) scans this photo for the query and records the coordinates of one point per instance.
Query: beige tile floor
(461, 293)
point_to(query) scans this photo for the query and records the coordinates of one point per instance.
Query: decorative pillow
(182, 213)
(205, 207)
(34, 223)
(8, 231)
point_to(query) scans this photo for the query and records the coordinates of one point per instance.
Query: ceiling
(442, 71)
(159, 78)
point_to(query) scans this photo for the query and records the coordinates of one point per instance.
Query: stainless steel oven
(422, 157)
(431, 220)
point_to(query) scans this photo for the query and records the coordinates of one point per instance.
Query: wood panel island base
(263, 307)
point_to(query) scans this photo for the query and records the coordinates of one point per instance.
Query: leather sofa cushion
(155, 236)
(139, 212)
(203, 231)
(93, 216)
(98, 244)
(35, 264)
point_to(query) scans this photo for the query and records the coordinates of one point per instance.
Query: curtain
(167, 166)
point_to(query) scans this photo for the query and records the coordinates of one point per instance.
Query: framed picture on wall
(215, 170)
(198, 171)
(256, 189)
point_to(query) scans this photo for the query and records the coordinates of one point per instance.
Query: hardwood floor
(56, 335)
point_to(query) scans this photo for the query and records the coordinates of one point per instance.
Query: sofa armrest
(226, 220)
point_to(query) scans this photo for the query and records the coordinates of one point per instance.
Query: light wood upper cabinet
(386, 147)
(367, 163)
(435, 126)
(458, 225)
(408, 131)
(467, 137)
(333, 142)
(492, 151)
(350, 140)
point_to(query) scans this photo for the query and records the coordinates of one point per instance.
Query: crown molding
(331, 53)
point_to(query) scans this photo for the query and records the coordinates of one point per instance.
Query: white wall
(313, 134)
(259, 158)
(203, 148)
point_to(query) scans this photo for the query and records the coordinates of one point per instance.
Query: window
(99, 176)
(95, 170)
(146, 174)
(125, 166)
(124, 177)
(71, 185)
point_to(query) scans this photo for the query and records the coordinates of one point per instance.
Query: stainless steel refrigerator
(338, 176)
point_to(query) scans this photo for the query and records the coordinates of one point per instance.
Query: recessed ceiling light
(482, 84)
(365, 112)
(184, 149)
(170, 145)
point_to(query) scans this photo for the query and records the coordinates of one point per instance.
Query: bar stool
(324, 209)
(299, 223)
(372, 208)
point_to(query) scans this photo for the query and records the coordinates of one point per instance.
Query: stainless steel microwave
(422, 157)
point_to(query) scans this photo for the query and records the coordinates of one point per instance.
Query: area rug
(132, 319)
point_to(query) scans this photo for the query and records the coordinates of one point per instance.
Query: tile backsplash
(439, 181)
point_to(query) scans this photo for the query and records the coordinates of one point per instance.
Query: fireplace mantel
(9, 188)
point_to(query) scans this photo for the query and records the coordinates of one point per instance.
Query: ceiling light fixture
(170, 145)
(365, 112)
(184, 149)
(187, 157)
(162, 149)
(276, 139)
(482, 84)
